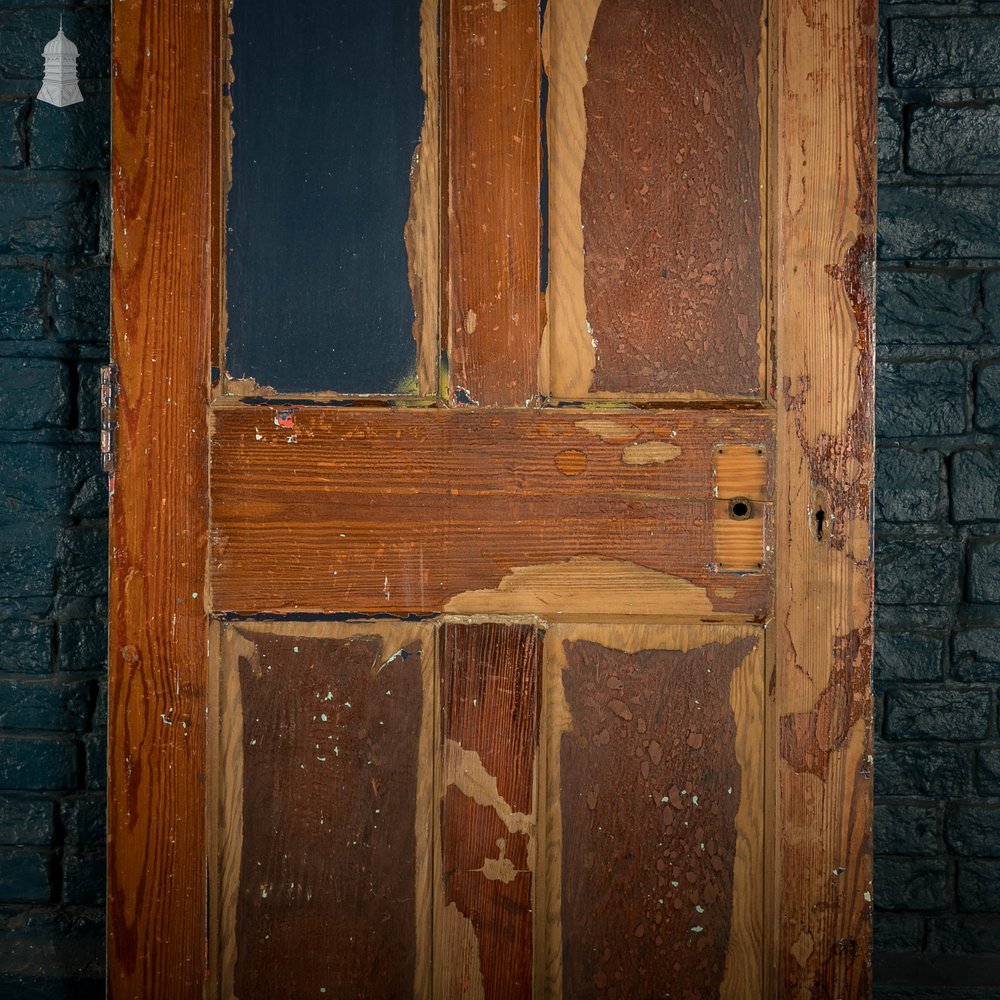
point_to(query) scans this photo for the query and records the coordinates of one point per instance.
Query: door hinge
(109, 421)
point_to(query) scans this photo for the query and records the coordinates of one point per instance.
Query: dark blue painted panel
(327, 110)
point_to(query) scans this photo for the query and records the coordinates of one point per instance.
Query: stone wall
(937, 667)
(54, 241)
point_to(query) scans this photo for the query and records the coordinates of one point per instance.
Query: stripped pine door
(490, 571)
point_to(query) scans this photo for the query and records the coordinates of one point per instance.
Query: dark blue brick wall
(53, 507)
(937, 660)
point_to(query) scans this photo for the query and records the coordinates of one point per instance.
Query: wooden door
(505, 631)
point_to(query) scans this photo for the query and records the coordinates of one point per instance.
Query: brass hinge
(109, 422)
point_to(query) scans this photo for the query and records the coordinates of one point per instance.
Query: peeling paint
(400, 654)
(586, 585)
(610, 430)
(465, 770)
(462, 397)
(622, 757)
(499, 869)
(246, 386)
(368, 820)
(463, 977)
(808, 738)
(688, 324)
(421, 234)
(841, 464)
(803, 948)
(566, 37)
(650, 453)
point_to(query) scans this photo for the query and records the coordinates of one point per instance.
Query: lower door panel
(467, 808)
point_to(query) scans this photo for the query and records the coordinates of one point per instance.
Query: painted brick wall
(937, 669)
(54, 240)
(938, 504)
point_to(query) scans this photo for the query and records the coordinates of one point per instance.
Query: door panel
(332, 210)
(596, 793)
(654, 791)
(655, 120)
(484, 916)
(325, 768)
(544, 675)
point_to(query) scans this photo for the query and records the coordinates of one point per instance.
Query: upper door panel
(332, 212)
(655, 189)
(486, 183)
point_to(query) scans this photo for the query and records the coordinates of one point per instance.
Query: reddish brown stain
(866, 127)
(500, 911)
(833, 461)
(825, 936)
(327, 874)
(648, 820)
(808, 738)
(493, 133)
(165, 268)
(840, 464)
(489, 700)
(489, 692)
(670, 197)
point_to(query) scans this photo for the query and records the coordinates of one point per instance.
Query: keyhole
(740, 509)
(820, 516)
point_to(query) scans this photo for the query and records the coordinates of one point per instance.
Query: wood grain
(163, 157)
(423, 226)
(668, 453)
(493, 125)
(825, 176)
(330, 812)
(566, 367)
(656, 216)
(739, 471)
(305, 520)
(225, 804)
(489, 689)
(654, 793)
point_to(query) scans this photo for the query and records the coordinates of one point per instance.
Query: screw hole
(740, 509)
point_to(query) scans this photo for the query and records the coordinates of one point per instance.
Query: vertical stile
(493, 144)
(163, 275)
(824, 304)
(489, 683)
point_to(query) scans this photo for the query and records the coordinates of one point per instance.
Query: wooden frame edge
(164, 153)
(824, 176)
